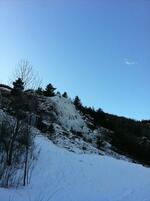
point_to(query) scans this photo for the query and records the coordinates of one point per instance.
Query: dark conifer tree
(50, 90)
(39, 91)
(18, 87)
(65, 95)
(77, 102)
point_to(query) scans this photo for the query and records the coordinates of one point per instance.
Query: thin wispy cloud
(129, 62)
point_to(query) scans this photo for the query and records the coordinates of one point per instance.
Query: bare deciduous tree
(24, 70)
(16, 151)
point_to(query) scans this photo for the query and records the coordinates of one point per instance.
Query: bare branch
(24, 70)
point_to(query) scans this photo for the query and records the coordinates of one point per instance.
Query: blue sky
(97, 49)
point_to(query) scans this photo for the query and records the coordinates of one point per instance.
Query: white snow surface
(60, 175)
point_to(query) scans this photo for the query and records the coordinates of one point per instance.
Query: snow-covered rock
(67, 114)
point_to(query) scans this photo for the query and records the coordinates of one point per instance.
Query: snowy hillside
(71, 128)
(62, 175)
(76, 160)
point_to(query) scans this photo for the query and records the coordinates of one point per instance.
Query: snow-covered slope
(60, 175)
(85, 172)
(71, 127)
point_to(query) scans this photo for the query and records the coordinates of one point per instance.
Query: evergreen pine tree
(39, 91)
(65, 95)
(18, 87)
(77, 102)
(58, 94)
(50, 90)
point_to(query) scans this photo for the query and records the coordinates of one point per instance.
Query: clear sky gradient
(97, 49)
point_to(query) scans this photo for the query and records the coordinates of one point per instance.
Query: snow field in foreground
(60, 175)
